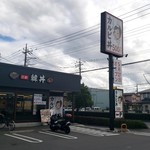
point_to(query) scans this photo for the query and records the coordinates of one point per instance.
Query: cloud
(62, 32)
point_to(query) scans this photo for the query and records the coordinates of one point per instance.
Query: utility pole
(80, 67)
(79, 64)
(26, 58)
(137, 90)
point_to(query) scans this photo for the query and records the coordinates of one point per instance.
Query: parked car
(97, 109)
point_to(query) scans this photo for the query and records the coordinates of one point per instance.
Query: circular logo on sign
(50, 80)
(14, 75)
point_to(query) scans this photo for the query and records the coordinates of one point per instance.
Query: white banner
(118, 103)
(117, 72)
(56, 105)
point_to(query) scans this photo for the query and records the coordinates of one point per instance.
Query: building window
(24, 103)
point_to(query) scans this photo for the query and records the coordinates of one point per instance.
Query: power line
(83, 31)
(45, 62)
(63, 39)
(75, 51)
(94, 44)
(80, 34)
(146, 79)
(135, 10)
(131, 63)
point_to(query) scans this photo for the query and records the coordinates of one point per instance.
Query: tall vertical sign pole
(111, 95)
(111, 44)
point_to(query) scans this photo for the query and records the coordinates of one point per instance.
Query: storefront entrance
(24, 91)
(7, 103)
(23, 106)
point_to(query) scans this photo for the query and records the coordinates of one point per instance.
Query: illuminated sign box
(111, 35)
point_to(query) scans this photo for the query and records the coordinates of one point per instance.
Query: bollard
(123, 127)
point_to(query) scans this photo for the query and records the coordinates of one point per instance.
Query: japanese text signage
(118, 103)
(117, 72)
(38, 99)
(33, 77)
(111, 35)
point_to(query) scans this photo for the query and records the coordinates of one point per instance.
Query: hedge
(100, 121)
(130, 116)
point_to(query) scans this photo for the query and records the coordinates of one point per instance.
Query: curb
(29, 124)
(95, 127)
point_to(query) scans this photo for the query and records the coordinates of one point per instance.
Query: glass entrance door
(24, 106)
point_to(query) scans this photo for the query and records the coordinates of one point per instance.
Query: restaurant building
(24, 91)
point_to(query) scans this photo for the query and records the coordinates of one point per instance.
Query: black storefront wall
(31, 80)
(26, 77)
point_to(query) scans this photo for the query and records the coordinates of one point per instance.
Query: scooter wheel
(52, 128)
(67, 130)
(11, 125)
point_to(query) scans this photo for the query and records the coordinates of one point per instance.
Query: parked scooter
(59, 123)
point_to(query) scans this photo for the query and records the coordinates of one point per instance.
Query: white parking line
(22, 131)
(59, 135)
(24, 138)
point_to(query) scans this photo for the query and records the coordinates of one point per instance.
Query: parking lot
(81, 137)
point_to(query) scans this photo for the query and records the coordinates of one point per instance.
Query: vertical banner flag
(117, 71)
(118, 103)
(56, 105)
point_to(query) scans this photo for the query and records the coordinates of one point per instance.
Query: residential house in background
(137, 102)
(131, 102)
(145, 101)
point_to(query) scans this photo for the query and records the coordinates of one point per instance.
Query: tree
(83, 99)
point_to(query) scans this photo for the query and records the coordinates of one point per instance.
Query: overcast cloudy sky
(59, 33)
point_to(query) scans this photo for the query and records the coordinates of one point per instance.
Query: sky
(61, 33)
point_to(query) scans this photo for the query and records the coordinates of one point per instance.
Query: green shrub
(130, 116)
(92, 120)
(99, 121)
(131, 124)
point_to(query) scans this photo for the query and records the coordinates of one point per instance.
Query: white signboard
(118, 103)
(37, 100)
(111, 35)
(117, 72)
(45, 115)
(56, 105)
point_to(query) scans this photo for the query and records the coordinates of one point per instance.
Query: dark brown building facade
(24, 90)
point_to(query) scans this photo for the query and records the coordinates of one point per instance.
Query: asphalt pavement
(34, 126)
(38, 136)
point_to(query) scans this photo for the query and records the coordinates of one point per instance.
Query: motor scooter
(59, 123)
